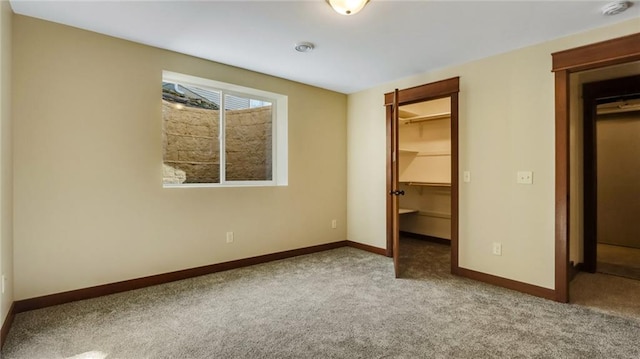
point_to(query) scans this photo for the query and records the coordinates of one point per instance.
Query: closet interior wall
(618, 173)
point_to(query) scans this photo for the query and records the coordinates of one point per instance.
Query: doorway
(612, 176)
(422, 166)
(612, 52)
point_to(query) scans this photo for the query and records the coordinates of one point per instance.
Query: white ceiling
(388, 40)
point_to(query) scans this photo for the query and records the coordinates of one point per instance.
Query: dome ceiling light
(347, 7)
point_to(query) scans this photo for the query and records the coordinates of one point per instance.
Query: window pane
(248, 146)
(191, 146)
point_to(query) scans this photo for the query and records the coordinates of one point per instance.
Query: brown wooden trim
(431, 91)
(7, 324)
(389, 124)
(508, 283)
(590, 185)
(395, 183)
(562, 187)
(601, 54)
(592, 95)
(111, 288)
(611, 52)
(424, 237)
(616, 87)
(455, 182)
(368, 248)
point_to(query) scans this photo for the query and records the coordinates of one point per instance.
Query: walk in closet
(424, 144)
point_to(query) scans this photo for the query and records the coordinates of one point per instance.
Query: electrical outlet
(497, 248)
(525, 177)
(4, 279)
(334, 223)
(229, 237)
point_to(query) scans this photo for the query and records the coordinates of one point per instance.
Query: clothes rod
(435, 215)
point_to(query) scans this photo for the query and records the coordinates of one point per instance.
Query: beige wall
(618, 147)
(6, 158)
(576, 213)
(506, 125)
(89, 203)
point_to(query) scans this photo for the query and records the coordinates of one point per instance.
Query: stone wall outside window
(191, 146)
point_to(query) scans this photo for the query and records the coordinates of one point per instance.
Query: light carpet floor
(607, 293)
(618, 260)
(343, 303)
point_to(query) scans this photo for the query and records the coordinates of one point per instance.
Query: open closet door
(392, 102)
(395, 187)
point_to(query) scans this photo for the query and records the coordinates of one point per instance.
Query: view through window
(213, 135)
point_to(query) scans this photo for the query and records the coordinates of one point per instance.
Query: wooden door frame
(602, 54)
(431, 91)
(591, 94)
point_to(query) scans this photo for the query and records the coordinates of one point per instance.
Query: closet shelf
(406, 150)
(429, 184)
(435, 214)
(424, 154)
(407, 211)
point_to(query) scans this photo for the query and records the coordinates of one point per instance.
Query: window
(216, 134)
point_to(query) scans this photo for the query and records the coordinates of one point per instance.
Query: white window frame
(279, 128)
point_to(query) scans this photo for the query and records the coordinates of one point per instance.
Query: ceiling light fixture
(347, 7)
(304, 47)
(615, 7)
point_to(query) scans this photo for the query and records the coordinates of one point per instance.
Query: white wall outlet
(525, 177)
(4, 279)
(497, 249)
(466, 176)
(229, 237)
(334, 223)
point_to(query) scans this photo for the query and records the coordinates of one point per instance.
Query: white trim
(280, 143)
(222, 141)
(222, 185)
(218, 85)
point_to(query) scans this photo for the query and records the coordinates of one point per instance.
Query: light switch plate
(525, 177)
(466, 176)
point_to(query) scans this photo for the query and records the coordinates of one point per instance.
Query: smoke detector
(304, 47)
(615, 7)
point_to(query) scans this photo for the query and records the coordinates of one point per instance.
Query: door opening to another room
(618, 51)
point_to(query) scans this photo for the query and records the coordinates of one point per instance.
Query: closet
(424, 161)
